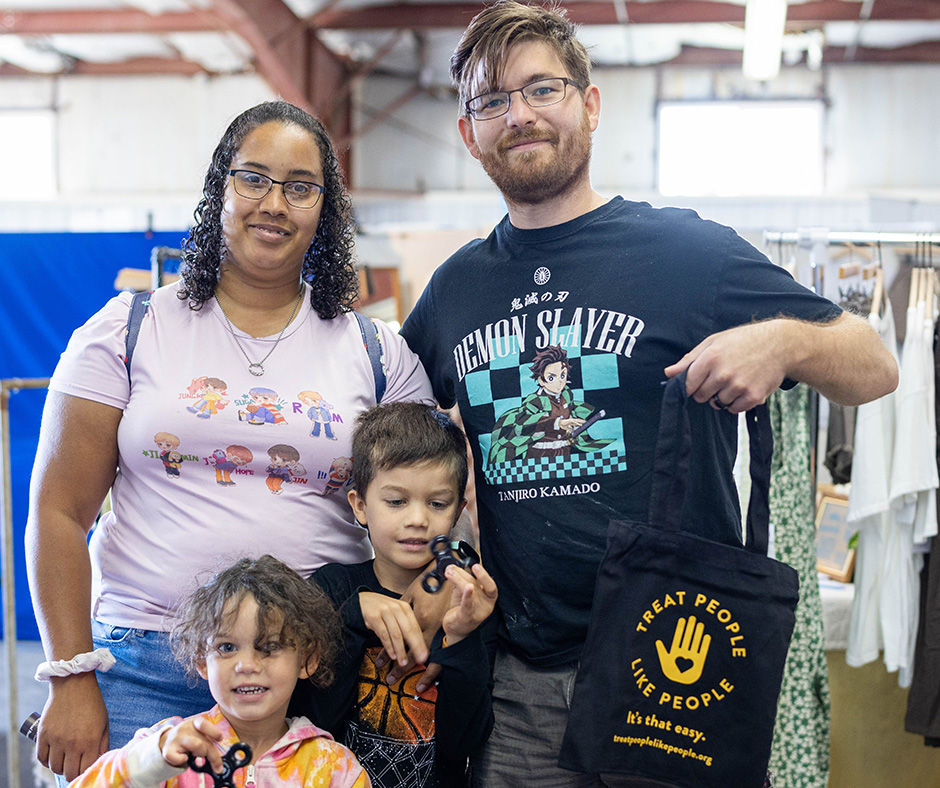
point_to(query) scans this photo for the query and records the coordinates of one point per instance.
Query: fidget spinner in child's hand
(238, 755)
(447, 552)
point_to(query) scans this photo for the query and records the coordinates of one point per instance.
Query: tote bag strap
(672, 460)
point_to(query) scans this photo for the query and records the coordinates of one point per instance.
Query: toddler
(252, 632)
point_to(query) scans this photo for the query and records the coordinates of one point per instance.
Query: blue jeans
(531, 707)
(146, 684)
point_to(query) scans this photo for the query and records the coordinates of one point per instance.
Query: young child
(251, 632)
(410, 473)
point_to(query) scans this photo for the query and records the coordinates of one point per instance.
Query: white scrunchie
(99, 659)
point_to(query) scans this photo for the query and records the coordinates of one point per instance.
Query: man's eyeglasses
(255, 186)
(539, 94)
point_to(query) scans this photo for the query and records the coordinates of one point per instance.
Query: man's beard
(525, 181)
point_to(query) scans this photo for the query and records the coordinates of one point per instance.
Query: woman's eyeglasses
(255, 186)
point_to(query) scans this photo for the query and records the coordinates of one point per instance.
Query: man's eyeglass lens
(543, 93)
(255, 186)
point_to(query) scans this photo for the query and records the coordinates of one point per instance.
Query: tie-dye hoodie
(304, 757)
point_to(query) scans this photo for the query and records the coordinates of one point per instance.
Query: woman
(261, 314)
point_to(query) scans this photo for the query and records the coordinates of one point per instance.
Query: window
(28, 147)
(741, 148)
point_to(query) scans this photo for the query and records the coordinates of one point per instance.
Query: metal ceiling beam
(290, 57)
(602, 12)
(124, 20)
(925, 52)
(138, 66)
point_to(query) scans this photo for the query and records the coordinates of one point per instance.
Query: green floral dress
(800, 753)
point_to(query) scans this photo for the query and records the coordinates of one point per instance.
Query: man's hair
(494, 30)
(290, 609)
(551, 355)
(406, 433)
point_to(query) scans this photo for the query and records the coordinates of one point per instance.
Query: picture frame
(834, 557)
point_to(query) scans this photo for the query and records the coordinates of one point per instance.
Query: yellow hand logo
(690, 645)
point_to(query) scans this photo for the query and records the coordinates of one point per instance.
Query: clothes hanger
(877, 271)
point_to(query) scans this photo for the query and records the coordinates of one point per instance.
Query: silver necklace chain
(256, 368)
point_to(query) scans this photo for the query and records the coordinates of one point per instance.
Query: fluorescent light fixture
(764, 23)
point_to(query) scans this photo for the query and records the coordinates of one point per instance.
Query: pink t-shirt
(216, 464)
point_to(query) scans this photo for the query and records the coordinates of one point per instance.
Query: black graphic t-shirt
(553, 343)
(403, 739)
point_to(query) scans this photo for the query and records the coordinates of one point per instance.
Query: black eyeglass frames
(542, 93)
(255, 186)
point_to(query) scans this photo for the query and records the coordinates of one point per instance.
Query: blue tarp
(51, 284)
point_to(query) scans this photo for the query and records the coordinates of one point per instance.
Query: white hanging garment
(870, 508)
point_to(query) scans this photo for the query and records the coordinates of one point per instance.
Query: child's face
(405, 508)
(250, 678)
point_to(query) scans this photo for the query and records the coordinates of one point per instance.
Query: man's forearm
(845, 360)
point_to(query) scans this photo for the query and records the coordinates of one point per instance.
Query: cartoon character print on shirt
(549, 382)
(340, 475)
(284, 468)
(320, 413)
(167, 445)
(261, 406)
(230, 460)
(209, 394)
(549, 423)
(392, 726)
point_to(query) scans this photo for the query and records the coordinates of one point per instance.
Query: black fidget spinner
(447, 552)
(238, 755)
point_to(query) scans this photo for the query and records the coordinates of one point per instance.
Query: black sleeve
(422, 334)
(330, 707)
(464, 712)
(753, 288)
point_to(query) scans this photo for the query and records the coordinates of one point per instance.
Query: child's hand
(473, 600)
(395, 624)
(197, 737)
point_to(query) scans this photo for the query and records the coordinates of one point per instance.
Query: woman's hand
(73, 729)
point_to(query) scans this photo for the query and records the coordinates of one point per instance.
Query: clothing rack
(817, 242)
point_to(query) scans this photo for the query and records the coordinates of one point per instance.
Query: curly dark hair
(290, 609)
(328, 264)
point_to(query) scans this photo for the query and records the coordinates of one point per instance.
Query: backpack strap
(140, 303)
(370, 338)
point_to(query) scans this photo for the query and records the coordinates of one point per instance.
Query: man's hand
(73, 730)
(395, 624)
(197, 737)
(473, 599)
(735, 369)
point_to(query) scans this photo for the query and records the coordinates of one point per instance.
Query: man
(633, 295)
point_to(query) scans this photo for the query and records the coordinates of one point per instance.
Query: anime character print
(320, 414)
(210, 393)
(167, 445)
(284, 468)
(549, 423)
(340, 475)
(227, 460)
(263, 407)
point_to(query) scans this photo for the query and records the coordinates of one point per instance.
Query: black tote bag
(685, 651)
